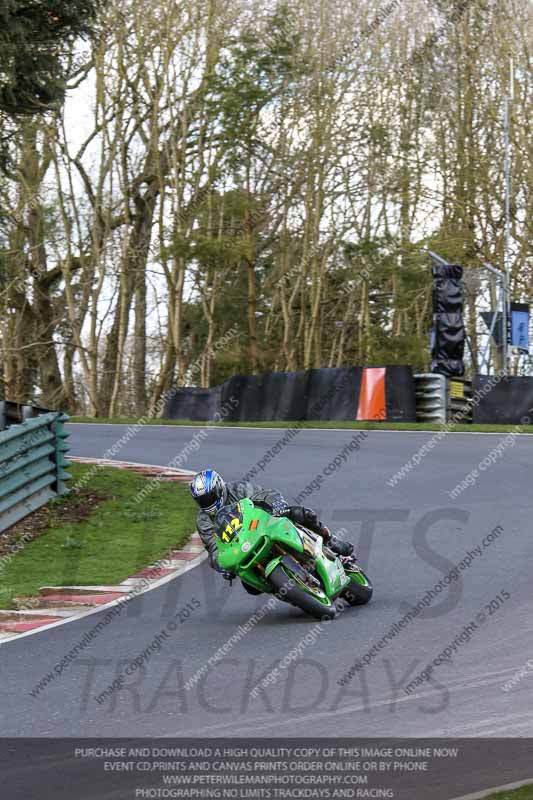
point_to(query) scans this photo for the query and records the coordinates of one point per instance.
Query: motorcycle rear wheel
(359, 590)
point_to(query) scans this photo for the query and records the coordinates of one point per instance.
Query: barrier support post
(61, 447)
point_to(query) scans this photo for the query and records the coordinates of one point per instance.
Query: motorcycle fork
(261, 568)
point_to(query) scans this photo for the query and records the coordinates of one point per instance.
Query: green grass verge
(525, 793)
(116, 540)
(358, 426)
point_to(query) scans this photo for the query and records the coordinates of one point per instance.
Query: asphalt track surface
(408, 537)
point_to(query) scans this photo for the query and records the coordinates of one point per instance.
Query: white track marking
(486, 792)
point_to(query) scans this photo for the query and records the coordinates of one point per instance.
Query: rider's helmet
(209, 491)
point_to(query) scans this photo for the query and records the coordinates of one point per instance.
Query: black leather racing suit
(238, 490)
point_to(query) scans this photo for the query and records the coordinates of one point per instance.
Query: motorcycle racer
(211, 493)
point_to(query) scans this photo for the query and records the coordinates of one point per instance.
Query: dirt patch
(77, 506)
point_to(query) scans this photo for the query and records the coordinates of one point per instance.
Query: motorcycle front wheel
(290, 588)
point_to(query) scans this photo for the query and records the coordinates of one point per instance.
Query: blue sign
(520, 326)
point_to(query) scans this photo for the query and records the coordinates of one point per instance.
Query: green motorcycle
(273, 555)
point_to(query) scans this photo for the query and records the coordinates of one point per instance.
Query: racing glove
(226, 573)
(280, 507)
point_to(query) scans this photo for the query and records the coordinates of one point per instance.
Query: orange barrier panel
(372, 402)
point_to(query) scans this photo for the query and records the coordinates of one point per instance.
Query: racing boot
(337, 545)
(309, 518)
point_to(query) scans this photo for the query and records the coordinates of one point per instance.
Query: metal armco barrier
(442, 399)
(33, 466)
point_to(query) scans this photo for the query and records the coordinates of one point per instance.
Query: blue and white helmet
(209, 490)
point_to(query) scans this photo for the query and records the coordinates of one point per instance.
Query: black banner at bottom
(265, 769)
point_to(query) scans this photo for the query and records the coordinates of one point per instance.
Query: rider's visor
(208, 501)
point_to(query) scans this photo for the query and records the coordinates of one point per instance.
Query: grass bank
(525, 793)
(96, 534)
